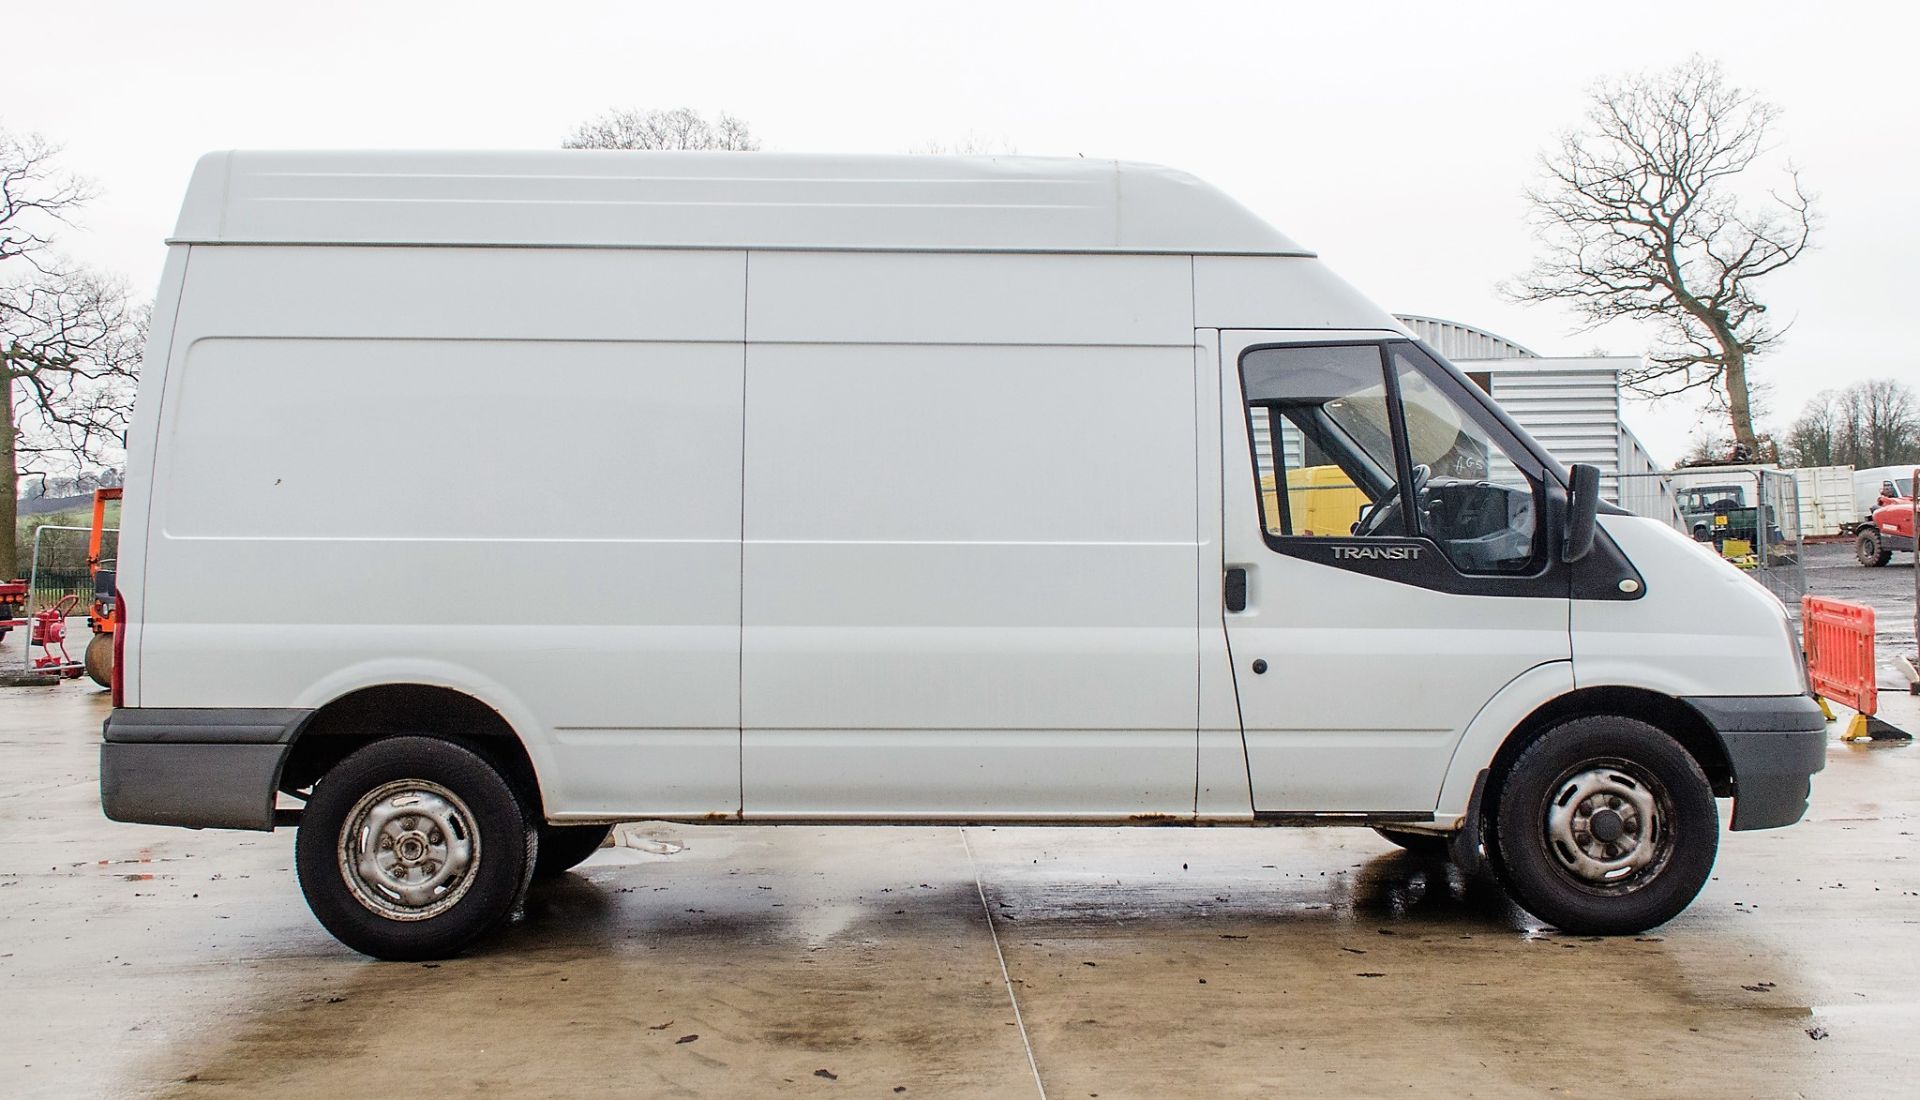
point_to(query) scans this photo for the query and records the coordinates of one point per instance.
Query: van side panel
(970, 538)
(511, 472)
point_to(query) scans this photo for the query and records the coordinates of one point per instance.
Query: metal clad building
(1571, 405)
(1457, 341)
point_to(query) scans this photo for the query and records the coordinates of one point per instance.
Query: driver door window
(1337, 432)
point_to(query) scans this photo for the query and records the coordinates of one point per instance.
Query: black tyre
(1605, 826)
(564, 847)
(1420, 844)
(412, 848)
(99, 659)
(1869, 550)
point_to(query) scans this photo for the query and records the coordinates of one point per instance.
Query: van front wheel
(1605, 826)
(412, 848)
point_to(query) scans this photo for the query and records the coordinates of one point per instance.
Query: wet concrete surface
(728, 961)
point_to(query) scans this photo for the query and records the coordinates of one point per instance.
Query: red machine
(1891, 529)
(13, 597)
(50, 634)
(49, 626)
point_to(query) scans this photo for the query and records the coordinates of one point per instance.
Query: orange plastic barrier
(1838, 638)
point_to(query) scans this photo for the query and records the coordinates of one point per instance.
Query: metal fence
(59, 566)
(1750, 517)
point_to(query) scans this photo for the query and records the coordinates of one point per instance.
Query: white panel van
(480, 501)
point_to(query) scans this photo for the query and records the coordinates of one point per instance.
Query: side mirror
(1583, 512)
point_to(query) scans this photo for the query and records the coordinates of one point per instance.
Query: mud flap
(1468, 846)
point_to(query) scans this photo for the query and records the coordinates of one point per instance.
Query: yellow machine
(1321, 500)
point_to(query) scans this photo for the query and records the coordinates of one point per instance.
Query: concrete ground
(727, 961)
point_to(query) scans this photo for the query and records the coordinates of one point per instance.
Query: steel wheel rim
(408, 850)
(1609, 826)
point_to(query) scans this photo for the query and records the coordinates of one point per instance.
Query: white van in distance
(479, 501)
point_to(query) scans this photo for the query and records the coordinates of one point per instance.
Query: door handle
(1236, 589)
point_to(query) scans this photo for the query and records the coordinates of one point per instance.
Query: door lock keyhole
(1259, 666)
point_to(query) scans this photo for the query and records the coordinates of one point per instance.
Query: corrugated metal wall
(1644, 488)
(1572, 407)
(1457, 341)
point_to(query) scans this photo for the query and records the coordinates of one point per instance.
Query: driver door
(1365, 634)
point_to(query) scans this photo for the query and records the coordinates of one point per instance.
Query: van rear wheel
(412, 848)
(1605, 826)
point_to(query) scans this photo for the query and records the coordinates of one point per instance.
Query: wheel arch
(1544, 697)
(1663, 712)
(372, 713)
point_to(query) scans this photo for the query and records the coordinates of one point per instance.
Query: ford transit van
(479, 501)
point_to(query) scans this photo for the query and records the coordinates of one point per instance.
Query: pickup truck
(1717, 513)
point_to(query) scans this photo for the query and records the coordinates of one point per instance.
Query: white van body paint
(1704, 628)
(814, 488)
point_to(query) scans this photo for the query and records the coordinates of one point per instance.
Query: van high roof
(576, 198)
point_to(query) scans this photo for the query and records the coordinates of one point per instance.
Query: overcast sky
(1396, 139)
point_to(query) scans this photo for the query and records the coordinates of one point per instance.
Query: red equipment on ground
(1889, 528)
(50, 634)
(13, 597)
(49, 626)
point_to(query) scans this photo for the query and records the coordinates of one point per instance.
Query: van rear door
(1365, 634)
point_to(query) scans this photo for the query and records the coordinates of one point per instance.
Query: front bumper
(203, 769)
(1774, 743)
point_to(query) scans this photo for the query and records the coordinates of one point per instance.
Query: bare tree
(70, 342)
(1640, 220)
(1816, 435)
(680, 128)
(970, 144)
(70, 347)
(1870, 423)
(36, 196)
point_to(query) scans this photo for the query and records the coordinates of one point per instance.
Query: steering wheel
(1389, 506)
